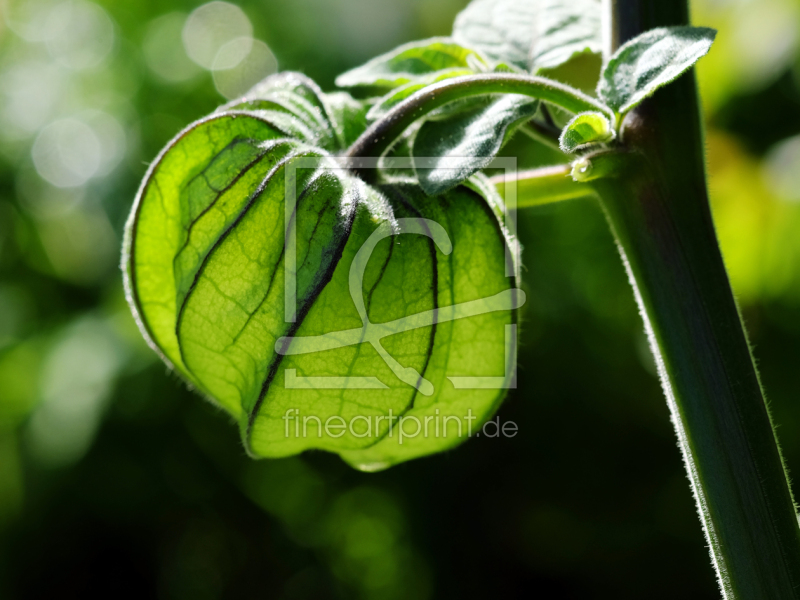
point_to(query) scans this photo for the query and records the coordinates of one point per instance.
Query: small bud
(582, 169)
(584, 129)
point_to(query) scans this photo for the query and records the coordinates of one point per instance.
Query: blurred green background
(115, 481)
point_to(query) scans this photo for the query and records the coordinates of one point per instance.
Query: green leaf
(447, 151)
(206, 260)
(348, 117)
(533, 35)
(397, 95)
(418, 61)
(502, 29)
(295, 104)
(585, 128)
(459, 347)
(292, 102)
(565, 29)
(650, 61)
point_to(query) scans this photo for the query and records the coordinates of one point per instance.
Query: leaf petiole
(545, 185)
(539, 132)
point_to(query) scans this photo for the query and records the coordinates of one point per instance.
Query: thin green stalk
(658, 209)
(379, 137)
(545, 185)
(542, 134)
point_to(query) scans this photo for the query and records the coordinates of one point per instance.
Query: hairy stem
(659, 212)
(380, 136)
(543, 186)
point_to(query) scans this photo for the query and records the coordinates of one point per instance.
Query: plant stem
(380, 136)
(659, 212)
(544, 186)
(542, 134)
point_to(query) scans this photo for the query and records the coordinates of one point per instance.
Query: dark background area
(116, 481)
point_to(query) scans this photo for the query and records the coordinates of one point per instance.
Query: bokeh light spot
(67, 153)
(31, 91)
(76, 380)
(782, 167)
(163, 49)
(258, 64)
(80, 35)
(232, 53)
(210, 27)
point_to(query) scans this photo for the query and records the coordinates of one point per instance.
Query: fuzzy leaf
(460, 145)
(206, 262)
(535, 36)
(414, 62)
(564, 29)
(293, 104)
(502, 29)
(585, 128)
(650, 61)
(348, 117)
(398, 94)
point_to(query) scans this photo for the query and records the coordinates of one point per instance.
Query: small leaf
(414, 62)
(585, 128)
(650, 61)
(502, 67)
(532, 35)
(460, 145)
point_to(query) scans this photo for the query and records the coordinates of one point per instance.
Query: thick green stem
(658, 209)
(379, 137)
(543, 186)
